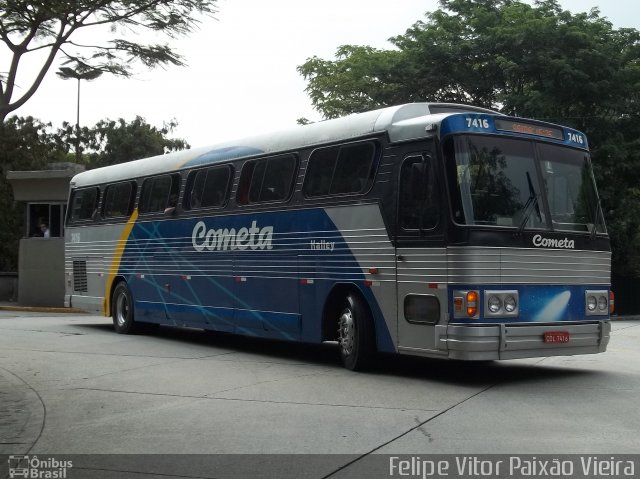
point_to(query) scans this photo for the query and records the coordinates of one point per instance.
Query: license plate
(556, 337)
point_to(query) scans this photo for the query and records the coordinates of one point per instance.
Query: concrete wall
(41, 267)
(8, 286)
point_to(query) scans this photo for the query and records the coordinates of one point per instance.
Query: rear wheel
(122, 310)
(355, 334)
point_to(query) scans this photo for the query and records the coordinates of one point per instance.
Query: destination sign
(529, 128)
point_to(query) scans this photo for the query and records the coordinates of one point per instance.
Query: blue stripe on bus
(254, 290)
(222, 154)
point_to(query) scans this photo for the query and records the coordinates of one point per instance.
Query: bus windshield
(497, 181)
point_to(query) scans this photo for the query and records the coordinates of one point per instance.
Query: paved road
(69, 385)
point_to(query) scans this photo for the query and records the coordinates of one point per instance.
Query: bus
(428, 229)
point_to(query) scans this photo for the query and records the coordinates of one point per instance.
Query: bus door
(420, 255)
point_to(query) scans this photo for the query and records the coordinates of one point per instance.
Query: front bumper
(510, 341)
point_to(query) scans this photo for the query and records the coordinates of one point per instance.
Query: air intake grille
(80, 276)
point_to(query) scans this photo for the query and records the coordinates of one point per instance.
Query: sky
(241, 76)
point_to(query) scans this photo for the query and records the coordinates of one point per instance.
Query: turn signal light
(472, 303)
(457, 304)
(612, 302)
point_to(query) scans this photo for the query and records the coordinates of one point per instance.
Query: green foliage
(49, 27)
(25, 144)
(111, 142)
(119, 141)
(362, 78)
(617, 167)
(534, 61)
(28, 144)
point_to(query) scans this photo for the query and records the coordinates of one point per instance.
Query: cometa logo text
(224, 239)
(540, 242)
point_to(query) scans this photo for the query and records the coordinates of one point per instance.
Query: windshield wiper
(529, 206)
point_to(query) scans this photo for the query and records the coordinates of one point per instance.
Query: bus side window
(257, 177)
(268, 179)
(320, 168)
(278, 177)
(216, 186)
(339, 170)
(419, 208)
(242, 195)
(84, 204)
(195, 189)
(352, 170)
(118, 200)
(207, 188)
(159, 193)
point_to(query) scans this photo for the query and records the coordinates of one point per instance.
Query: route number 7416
(477, 123)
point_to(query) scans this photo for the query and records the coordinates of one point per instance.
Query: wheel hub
(346, 332)
(122, 309)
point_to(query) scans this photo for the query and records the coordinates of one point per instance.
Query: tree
(535, 61)
(49, 27)
(110, 142)
(28, 144)
(362, 78)
(25, 144)
(119, 142)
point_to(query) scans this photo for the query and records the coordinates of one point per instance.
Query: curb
(40, 309)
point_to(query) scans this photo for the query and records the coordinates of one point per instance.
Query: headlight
(596, 302)
(510, 304)
(602, 303)
(500, 304)
(494, 304)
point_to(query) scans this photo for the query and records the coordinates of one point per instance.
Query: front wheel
(122, 310)
(355, 334)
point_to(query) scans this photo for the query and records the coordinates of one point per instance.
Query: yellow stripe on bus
(115, 263)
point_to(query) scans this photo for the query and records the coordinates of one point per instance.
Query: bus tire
(355, 334)
(122, 310)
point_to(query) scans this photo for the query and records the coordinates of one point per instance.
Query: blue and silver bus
(427, 229)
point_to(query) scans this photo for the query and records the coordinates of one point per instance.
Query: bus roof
(340, 129)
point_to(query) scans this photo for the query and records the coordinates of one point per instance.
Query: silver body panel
(95, 248)
(507, 341)
(483, 265)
